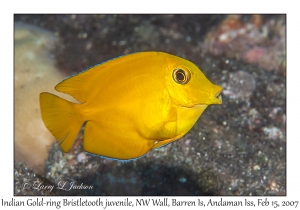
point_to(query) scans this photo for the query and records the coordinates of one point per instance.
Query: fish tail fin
(62, 118)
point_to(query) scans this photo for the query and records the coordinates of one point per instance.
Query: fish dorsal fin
(79, 84)
(87, 83)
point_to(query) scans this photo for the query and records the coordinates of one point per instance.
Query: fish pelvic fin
(163, 143)
(62, 118)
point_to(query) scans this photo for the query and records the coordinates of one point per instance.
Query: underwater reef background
(237, 148)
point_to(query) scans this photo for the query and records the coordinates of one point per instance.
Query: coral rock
(34, 73)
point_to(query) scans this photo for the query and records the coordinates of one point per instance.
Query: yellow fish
(131, 104)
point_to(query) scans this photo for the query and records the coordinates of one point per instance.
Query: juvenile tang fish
(131, 104)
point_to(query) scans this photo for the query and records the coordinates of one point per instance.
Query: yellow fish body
(131, 104)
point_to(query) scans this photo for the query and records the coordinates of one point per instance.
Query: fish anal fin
(107, 143)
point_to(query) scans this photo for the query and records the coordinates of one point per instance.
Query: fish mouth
(216, 98)
(219, 97)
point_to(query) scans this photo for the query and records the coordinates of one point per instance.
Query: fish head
(188, 86)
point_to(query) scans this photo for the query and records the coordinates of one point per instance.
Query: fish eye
(181, 76)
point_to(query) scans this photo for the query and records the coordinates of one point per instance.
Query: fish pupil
(180, 76)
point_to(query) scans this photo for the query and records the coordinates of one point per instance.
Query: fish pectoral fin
(109, 143)
(166, 129)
